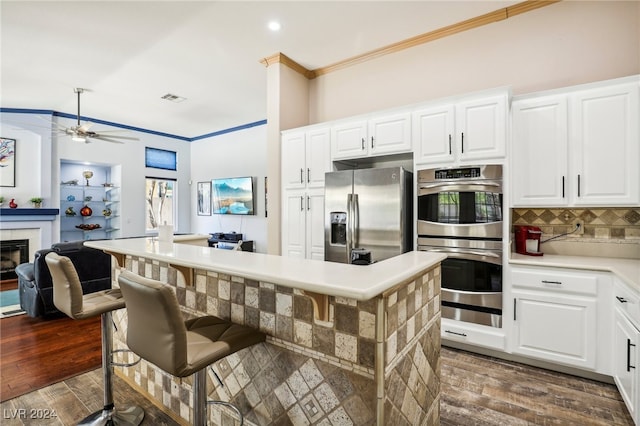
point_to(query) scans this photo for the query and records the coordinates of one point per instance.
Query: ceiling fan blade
(129, 138)
(104, 138)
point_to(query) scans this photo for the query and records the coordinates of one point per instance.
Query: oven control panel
(461, 173)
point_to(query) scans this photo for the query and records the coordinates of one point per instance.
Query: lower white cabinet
(555, 317)
(626, 347)
(303, 224)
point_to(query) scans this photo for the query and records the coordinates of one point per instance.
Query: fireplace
(12, 253)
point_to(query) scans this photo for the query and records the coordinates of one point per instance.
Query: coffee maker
(528, 240)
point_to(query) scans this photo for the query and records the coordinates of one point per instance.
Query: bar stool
(157, 332)
(68, 297)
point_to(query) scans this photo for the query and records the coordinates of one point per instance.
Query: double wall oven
(460, 214)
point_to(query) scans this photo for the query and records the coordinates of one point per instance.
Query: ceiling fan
(81, 133)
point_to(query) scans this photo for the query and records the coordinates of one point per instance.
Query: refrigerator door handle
(355, 222)
(349, 225)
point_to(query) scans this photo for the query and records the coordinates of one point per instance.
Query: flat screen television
(233, 195)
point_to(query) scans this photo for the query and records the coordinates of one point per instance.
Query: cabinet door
(349, 140)
(555, 327)
(433, 130)
(539, 152)
(318, 159)
(293, 160)
(293, 224)
(481, 128)
(390, 134)
(606, 151)
(626, 351)
(315, 224)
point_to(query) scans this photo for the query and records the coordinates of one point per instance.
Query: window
(160, 197)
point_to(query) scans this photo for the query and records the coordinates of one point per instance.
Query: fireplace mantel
(26, 214)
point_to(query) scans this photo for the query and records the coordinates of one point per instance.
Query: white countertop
(628, 270)
(334, 279)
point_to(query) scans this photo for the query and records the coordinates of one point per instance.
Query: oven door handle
(460, 183)
(482, 256)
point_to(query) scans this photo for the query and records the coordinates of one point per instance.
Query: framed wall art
(204, 198)
(7, 162)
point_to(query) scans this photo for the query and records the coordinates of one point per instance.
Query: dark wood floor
(476, 390)
(36, 352)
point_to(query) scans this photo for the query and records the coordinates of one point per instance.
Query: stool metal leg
(200, 399)
(130, 416)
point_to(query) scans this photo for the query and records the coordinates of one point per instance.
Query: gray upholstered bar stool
(157, 332)
(68, 297)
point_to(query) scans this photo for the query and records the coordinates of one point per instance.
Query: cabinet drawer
(455, 331)
(627, 301)
(560, 281)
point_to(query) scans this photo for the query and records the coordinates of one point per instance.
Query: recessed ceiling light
(274, 26)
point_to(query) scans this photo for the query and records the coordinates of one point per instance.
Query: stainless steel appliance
(368, 209)
(460, 214)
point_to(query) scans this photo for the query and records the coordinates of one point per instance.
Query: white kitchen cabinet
(305, 158)
(555, 317)
(303, 224)
(461, 132)
(539, 156)
(454, 332)
(626, 347)
(605, 141)
(577, 147)
(378, 135)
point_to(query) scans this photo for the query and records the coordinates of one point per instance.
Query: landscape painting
(233, 196)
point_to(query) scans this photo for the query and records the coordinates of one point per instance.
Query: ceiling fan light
(78, 138)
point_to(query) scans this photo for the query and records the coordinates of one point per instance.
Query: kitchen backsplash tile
(608, 224)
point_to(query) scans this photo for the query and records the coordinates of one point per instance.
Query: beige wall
(564, 44)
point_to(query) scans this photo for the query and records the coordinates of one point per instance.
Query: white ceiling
(128, 54)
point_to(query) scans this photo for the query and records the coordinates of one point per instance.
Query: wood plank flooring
(35, 352)
(476, 390)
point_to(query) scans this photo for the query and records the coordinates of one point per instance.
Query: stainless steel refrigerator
(370, 209)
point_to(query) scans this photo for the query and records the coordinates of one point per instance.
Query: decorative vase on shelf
(86, 211)
(13, 204)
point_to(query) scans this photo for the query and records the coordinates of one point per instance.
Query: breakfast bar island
(346, 344)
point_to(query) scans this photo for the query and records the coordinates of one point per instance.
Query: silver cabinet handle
(578, 185)
(363, 143)
(301, 173)
(371, 141)
(456, 333)
(308, 203)
(562, 186)
(308, 175)
(449, 143)
(629, 345)
(462, 143)
(552, 282)
(621, 299)
(301, 203)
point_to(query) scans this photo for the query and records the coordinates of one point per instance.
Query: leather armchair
(36, 286)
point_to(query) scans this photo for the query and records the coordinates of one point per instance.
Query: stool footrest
(124, 364)
(230, 405)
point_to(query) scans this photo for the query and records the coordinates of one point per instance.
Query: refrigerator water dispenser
(338, 222)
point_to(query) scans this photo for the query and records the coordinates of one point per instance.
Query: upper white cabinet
(605, 146)
(577, 148)
(305, 158)
(539, 155)
(378, 135)
(462, 132)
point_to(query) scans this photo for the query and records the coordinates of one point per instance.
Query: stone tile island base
(375, 362)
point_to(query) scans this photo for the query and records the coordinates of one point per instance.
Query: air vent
(173, 98)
